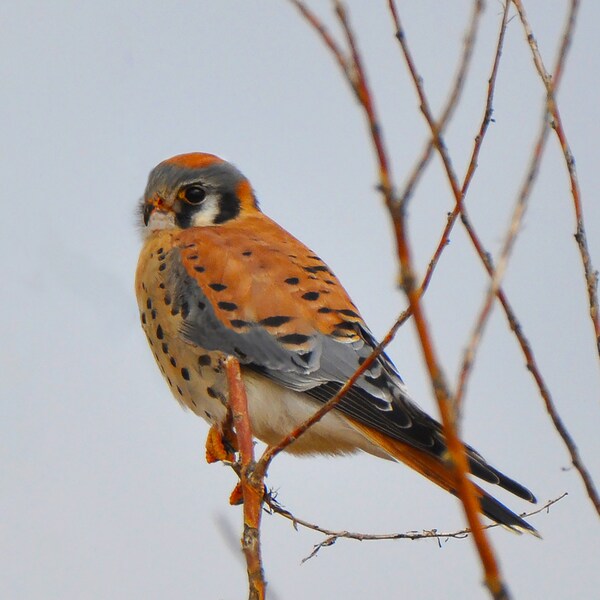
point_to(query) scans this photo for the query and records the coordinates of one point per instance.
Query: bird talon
(219, 447)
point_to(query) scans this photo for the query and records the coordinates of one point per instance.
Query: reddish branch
(453, 97)
(551, 84)
(485, 257)
(498, 272)
(487, 117)
(252, 474)
(356, 77)
(251, 480)
(465, 489)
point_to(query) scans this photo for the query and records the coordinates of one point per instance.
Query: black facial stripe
(184, 214)
(229, 208)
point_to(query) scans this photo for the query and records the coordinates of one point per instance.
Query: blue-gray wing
(286, 347)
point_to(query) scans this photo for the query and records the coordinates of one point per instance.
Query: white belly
(275, 411)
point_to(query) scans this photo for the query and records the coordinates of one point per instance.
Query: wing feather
(260, 295)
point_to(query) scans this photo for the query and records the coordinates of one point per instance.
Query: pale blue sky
(104, 492)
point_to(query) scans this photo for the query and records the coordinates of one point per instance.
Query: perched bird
(216, 277)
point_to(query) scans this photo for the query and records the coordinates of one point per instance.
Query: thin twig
(251, 481)
(453, 97)
(487, 117)
(327, 39)
(368, 105)
(510, 314)
(333, 536)
(357, 80)
(498, 273)
(456, 449)
(551, 84)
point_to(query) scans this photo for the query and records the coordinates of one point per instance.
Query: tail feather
(435, 470)
(481, 469)
(496, 511)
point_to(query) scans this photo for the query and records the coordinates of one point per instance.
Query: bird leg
(221, 446)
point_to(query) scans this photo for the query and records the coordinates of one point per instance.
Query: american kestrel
(216, 277)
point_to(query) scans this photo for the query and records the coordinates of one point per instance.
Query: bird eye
(193, 194)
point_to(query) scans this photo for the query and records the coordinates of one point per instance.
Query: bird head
(195, 190)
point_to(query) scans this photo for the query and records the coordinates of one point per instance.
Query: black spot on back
(218, 287)
(292, 281)
(316, 269)
(296, 339)
(347, 325)
(275, 321)
(311, 296)
(237, 323)
(229, 306)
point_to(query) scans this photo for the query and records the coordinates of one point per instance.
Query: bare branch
(498, 273)
(332, 536)
(453, 97)
(487, 117)
(328, 40)
(551, 84)
(448, 414)
(591, 276)
(251, 481)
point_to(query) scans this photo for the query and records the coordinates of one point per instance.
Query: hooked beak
(157, 215)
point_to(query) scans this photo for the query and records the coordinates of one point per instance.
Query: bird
(218, 278)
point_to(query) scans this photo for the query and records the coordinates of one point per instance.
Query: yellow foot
(220, 445)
